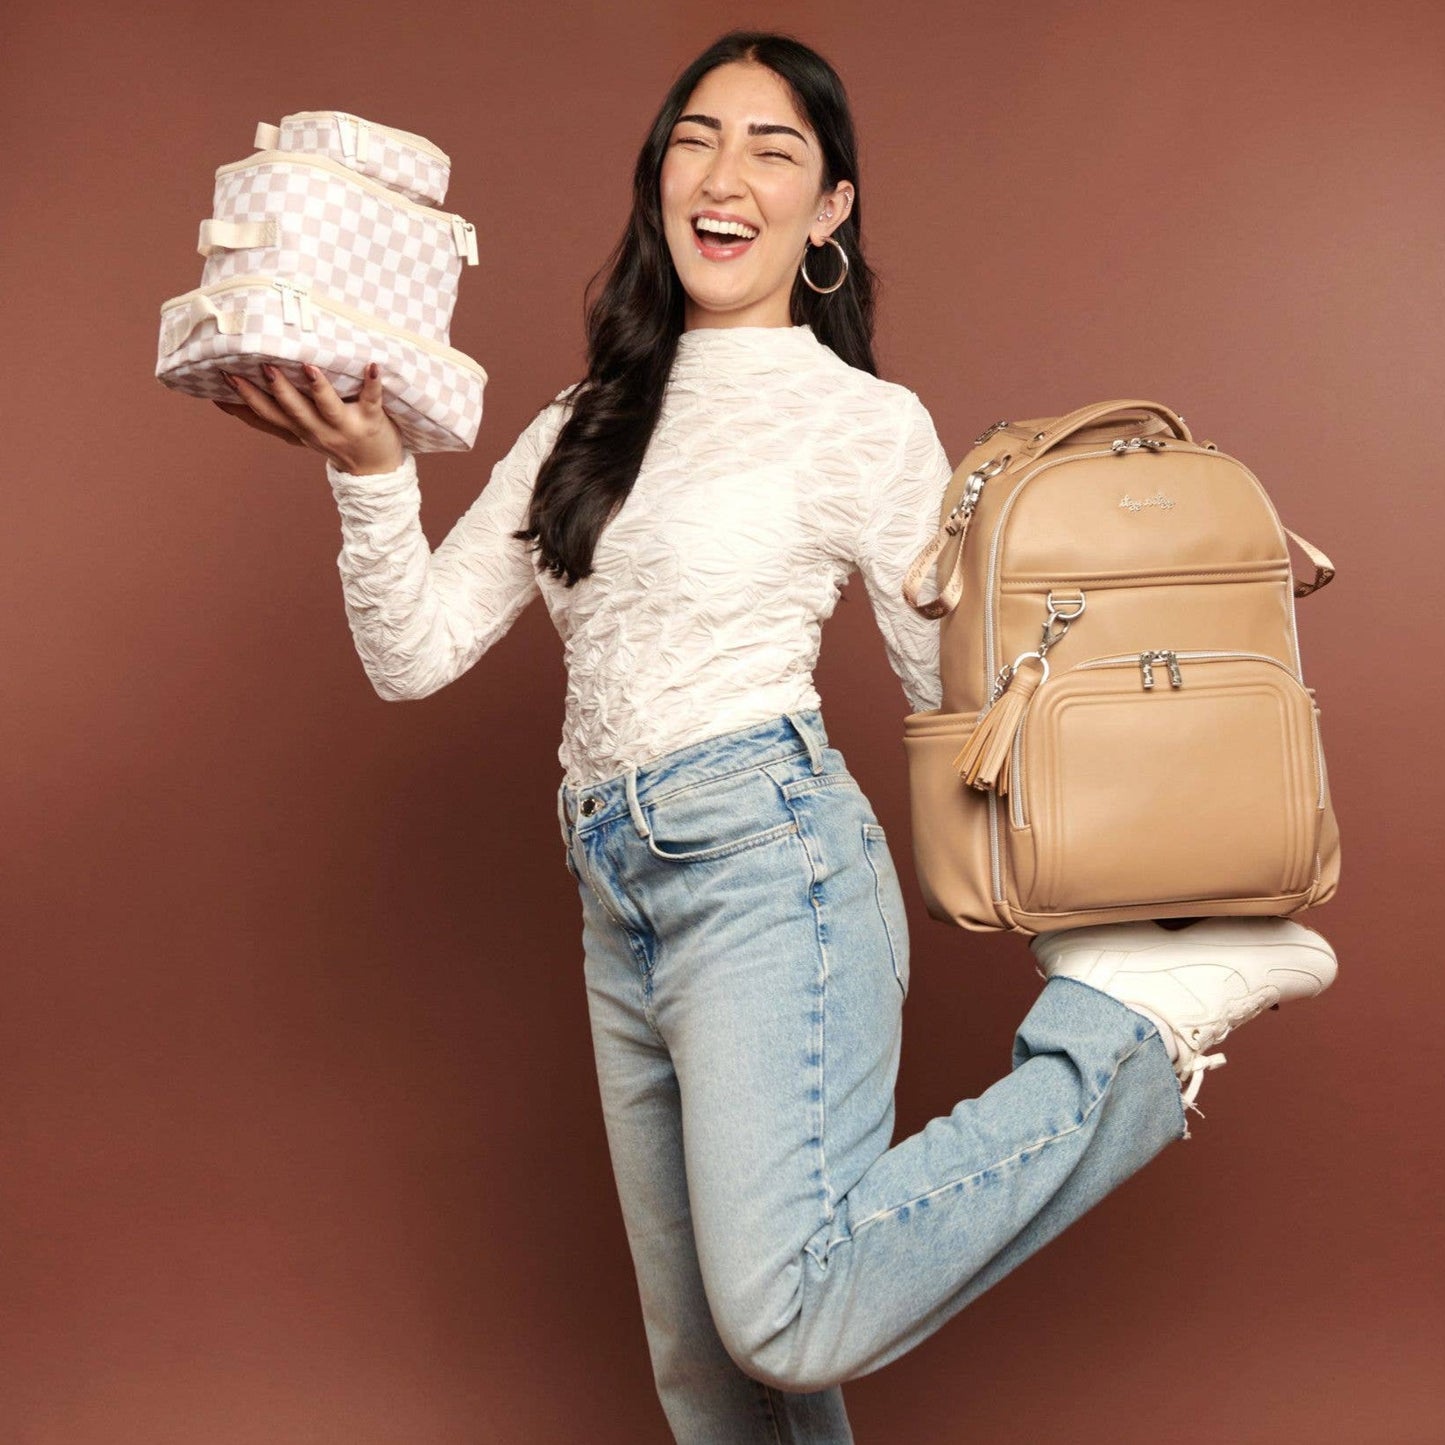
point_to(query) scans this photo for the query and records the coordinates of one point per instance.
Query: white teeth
(724, 228)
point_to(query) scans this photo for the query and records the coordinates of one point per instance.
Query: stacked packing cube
(328, 246)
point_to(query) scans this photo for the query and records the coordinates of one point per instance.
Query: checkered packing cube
(310, 259)
(407, 163)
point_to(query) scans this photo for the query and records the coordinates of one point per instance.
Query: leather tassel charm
(983, 760)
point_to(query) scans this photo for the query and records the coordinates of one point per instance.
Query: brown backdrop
(300, 1135)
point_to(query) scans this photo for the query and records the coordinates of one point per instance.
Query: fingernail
(311, 371)
(372, 372)
(268, 369)
(230, 381)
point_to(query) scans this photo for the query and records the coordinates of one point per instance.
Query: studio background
(300, 1139)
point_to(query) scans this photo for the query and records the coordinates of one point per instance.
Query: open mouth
(720, 247)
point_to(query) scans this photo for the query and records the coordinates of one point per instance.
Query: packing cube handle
(219, 234)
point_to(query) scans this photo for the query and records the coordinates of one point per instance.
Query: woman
(695, 504)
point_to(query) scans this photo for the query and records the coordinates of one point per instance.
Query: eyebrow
(754, 129)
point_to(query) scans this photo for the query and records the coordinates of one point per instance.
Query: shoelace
(1190, 1070)
(1192, 1066)
(1191, 1075)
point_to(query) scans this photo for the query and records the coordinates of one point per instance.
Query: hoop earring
(826, 290)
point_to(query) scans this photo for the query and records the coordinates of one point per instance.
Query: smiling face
(740, 151)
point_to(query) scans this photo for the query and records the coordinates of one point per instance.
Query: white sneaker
(1200, 982)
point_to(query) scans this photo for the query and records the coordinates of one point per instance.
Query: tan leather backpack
(1124, 731)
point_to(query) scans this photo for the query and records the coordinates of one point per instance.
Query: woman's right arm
(420, 618)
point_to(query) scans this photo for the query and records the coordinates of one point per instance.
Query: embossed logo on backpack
(1134, 503)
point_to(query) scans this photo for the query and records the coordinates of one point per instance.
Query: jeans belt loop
(810, 740)
(633, 806)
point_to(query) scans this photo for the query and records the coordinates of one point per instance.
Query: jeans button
(589, 806)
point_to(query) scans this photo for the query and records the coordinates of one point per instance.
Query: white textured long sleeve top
(774, 472)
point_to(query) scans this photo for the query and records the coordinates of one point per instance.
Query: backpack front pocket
(1162, 777)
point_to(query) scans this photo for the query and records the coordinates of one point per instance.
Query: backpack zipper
(464, 234)
(297, 299)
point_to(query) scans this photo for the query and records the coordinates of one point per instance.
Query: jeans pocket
(889, 895)
(717, 817)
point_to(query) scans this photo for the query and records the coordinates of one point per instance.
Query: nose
(721, 178)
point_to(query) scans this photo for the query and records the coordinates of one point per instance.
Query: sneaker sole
(1141, 937)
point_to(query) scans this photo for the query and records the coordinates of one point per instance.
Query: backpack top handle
(1065, 426)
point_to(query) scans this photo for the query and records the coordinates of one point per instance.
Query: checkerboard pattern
(372, 150)
(387, 260)
(391, 261)
(435, 402)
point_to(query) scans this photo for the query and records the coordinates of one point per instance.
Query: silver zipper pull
(1146, 665)
(1120, 445)
(983, 436)
(1175, 679)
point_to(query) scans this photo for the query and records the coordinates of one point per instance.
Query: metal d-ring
(1054, 611)
(1049, 636)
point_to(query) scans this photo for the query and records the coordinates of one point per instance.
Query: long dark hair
(633, 325)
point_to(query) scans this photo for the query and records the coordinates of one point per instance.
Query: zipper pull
(983, 436)
(1132, 444)
(296, 303)
(464, 239)
(1146, 666)
(302, 287)
(288, 302)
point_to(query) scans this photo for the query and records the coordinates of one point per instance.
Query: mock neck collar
(723, 352)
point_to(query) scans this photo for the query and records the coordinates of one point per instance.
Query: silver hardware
(1006, 672)
(972, 489)
(589, 806)
(1039, 436)
(1050, 637)
(983, 436)
(1146, 665)
(1133, 444)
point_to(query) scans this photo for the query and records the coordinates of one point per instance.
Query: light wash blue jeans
(746, 957)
